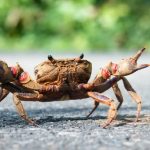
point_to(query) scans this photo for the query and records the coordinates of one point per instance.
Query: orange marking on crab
(14, 71)
(114, 68)
(24, 77)
(105, 73)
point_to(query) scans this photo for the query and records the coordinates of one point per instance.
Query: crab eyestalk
(50, 57)
(78, 59)
(81, 56)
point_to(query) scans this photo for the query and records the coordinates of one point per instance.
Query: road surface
(62, 125)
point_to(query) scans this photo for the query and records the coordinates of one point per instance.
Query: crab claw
(138, 54)
(1, 71)
(129, 65)
(5, 73)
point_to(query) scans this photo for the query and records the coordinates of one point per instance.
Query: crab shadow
(11, 118)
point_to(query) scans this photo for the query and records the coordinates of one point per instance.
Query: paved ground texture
(62, 125)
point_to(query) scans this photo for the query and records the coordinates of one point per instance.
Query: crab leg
(96, 104)
(30, 96)
(101, 87)
(17, 97)
(107, 101)
(3, 93)
(102, 78)
(21, 110)
(6, 88)
(118, 94)
(134, 95)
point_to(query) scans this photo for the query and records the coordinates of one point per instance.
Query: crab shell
(63, 71)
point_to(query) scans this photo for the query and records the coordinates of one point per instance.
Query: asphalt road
(62, 125)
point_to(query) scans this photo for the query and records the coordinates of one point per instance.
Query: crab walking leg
(6, 88)
(100, 87)
(3, 93)
(105, 85)
(21, 109)
(107, 101)
(99, 79)
(96, 104)
(134, 95)
(119, 97)
(118, 94)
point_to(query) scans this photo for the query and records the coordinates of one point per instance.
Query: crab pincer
(128, 66)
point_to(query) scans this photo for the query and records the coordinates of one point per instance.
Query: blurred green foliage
(74, 24)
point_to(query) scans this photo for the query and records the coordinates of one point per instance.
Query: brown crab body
(66, 72)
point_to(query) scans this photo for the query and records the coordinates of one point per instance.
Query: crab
(67, 79)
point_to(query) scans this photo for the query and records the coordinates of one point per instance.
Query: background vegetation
(74, 24)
